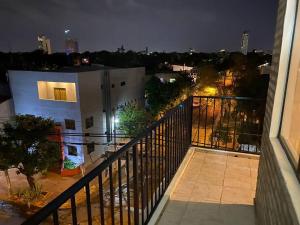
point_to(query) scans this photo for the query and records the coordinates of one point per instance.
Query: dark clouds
(206, 25)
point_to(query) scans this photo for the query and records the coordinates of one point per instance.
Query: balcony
(214, 188)
(196, 164)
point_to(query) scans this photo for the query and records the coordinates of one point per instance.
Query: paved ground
(215, 189)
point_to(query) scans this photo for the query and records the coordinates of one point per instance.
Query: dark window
(112, 86)
(72, 150)
(70, 124)
(90, 147)
(89, 122)
(101, 86)
(123, 83)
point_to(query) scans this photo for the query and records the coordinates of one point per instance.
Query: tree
(6, 160)
(31, 151)
(133, 120)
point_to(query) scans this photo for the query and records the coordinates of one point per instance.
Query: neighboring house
(181, 68)
(278, 188)
(80, 100)
(167, 77)
(6, 110)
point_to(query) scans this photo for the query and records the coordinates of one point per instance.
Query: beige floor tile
(206, 193)
(254, 163)
(238, 162)
(233, 195)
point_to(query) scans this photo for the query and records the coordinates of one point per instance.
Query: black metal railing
(127, 187)
(228, 123)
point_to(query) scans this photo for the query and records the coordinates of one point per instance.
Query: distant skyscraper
(245, 42)
(44, 44)
(71, 46)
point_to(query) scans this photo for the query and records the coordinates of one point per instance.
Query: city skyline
(205, 26)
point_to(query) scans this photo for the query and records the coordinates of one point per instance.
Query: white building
(245, 43)
(44, 44)
(181, 68)
(81, 100)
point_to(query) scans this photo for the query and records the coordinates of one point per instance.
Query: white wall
(133, 89)
(91, 104)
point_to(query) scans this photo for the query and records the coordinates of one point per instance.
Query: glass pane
(290, 131)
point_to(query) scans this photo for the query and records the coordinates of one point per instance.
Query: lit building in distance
(245, 42)
(71, 46)
(44, 44)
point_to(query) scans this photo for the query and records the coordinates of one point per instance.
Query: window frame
(294, 163)
(74, 147)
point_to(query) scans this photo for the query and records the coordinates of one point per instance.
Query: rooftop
(70, 69)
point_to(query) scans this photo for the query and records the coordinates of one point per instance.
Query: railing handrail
(229, 97)
(78, 185)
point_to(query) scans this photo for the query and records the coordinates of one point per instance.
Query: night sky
(162, 25)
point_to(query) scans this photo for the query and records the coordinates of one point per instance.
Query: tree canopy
(30, 151)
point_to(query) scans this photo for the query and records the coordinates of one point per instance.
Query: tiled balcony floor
(215, 189)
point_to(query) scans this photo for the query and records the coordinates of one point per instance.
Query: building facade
(80, 101)
(245, 43)
(71, 46)
(278, 188)
(44, 44)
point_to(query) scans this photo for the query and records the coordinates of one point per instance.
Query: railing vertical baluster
(206, 108)
(199, 123)
(135, 185)
(112, 194)
(88, 203)
(151, 169)
(172, 147)
(101, 199)
(213, 123)
(120, 190)
(159, 160)
(220, 127)
(147, 174)
(155, 164)
(142, 178)
(234, 129)
(167, 152)
(55, 217)
(128, 187)
(164, 158)
(228, 121)
(73, 207)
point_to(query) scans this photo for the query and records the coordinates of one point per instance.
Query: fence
(228, 123)
(127, 187)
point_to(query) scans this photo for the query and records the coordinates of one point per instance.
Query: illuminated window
(72, 150)
(60, 94)
(57, 91)
(70, 124)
